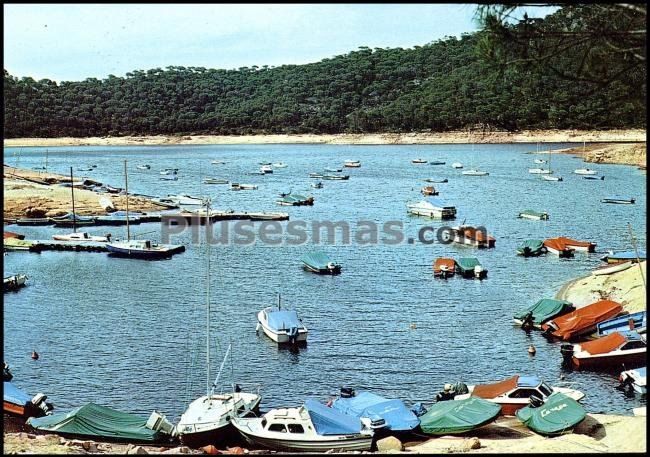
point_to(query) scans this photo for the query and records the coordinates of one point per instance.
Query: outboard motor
(535, 401)
(567, 352)
(478, 271)
(6, 373)
(347, 392)
(331, 266)
(159, 423)
(41, 405)
(293, 335)
(418, 409)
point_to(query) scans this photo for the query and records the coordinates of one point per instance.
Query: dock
(55, 245)
(215, 216)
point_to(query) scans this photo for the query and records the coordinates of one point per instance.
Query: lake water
(130, 334)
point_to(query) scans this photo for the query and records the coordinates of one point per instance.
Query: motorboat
(312, 427)
(635, 379)
(169, 171)
(14, 282)
(143, 167)
(217, 162)
(611, 351)
(618, 200)
(541, 312)
(184, 199)
(215, 181)
(429, 190)
(266, 169)
(471, 268)
(558, 247)
(295, 200)
(280, 165)
(475, 172)
(436, 180)
(317, 185)
(82, 237)
(444, 267)
(580, 246)
(513, 393)
(539, 171)
(533, 215)
(531, 248)
(264, 163)
(18, 404)
(432, 207)
(237, 186)
(335, 177)
(612, 268)
(389, 415)
(594, 178)
(457, 165)
(315, 175)
(582, 321)
(333, 170)
(552, 178)
(557, 415)
(282, 325)
(169, 178)
(352, 163)
(634, 321)
(418, 161)
(459, 416)
(471, 236)
(143, 249)
(319, 262)
(585, 171)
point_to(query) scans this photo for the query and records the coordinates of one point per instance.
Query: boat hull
(283, 338)
(144, 254)
(323, 271)
(612, 268)
(633, 358)
(344, 442)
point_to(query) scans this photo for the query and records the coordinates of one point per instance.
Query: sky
(72, 42)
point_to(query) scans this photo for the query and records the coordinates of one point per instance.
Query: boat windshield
(545, 389)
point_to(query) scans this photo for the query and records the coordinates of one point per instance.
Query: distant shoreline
(526, 136)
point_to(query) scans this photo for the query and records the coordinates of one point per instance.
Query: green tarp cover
(458, 416)
(467, 263)
(558, 414)
(316, 259)
(545, 309)
(533, 245)
(96, 421)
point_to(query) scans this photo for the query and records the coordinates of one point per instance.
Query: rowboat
(618, 200)
(319, 262)
(471, 268)
(635, 321)
(531, 248)
(315, 175)
(582, 321)
(613, 257)
(612, 268)
(611, 351)
(444, 267)
(333, 170)
(184, 199)
(533, 215)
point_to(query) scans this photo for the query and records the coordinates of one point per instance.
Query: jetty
(215, 216)
(54, 245)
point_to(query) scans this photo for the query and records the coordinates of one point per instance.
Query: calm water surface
(131, 334)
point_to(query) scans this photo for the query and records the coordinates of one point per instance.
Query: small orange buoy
(34, 355)
(413, 326)
(532, 350)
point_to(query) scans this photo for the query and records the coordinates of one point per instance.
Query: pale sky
(72, 42)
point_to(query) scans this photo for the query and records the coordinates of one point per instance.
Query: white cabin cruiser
(432, 207)
(82, 236)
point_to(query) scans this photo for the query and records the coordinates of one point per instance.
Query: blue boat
(622, 323)
(143, 249)
(18, 403)
(118, 218)
(319, 262)
(615, 257)
(72, 219)
(393, 414)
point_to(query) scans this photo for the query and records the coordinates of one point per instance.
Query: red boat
(429, 190)
(18, 236)
(466, 234)
(583, 320)
(584, 246)
(611, 351)
(558, 247)
(444, 267)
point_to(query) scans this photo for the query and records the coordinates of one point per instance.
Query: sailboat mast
(636, 251)
(207, 299)
(74, 214)
(126, 190)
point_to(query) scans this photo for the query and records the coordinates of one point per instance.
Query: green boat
(530, 248)
(542, 311)
(458, 416)
(534, 215)
(558, 415)
(14, 244)
(318, 262)
(470, 267)
(93, 421)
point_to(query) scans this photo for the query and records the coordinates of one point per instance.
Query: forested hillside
(444, 85)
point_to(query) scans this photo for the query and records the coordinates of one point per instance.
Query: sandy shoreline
(526, 136)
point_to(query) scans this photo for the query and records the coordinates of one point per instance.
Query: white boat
(184, 199)
(539, 171)
(618, 200)
(475, 172)
(280, 165)
(282, 326)
(317, 185)
(634, 378)
(215, 181)
(552, 178)
(432, 207)
(217, 162)
(206, 420)
(169, 171)
(237, 186)
(612, 268)
(457, 165)
(82, 236)
(169, 178)
(143, 167)
(14, 282)
(352, 164)
(540, 161)
(312, 427)
(585, 171)
(266, 169)
(418, 161)
(106, 203)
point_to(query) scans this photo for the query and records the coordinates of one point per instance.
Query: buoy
(532, 350)
(412, 326)
(34, 355)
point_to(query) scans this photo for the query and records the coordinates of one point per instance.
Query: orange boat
(18, 236)
(429, 190)
(558, 247)
(583, 320)
(466, 234)
(444, 267)
(609, 351)
(583, 246)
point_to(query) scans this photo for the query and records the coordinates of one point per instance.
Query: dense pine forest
(444, 85)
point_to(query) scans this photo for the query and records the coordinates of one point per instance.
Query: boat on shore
(618, 200)
(612, 268)
(470, 236)
(541, 312)
(444, 267)
(558, 415)
(471, 268)
(533, 215)
(558, 247)
(319, 262)
(626, 322)
(617, 349)
(616, 257)
(312, 427)
(634, 379)
(582, 321)
(458, 416)
(531, 248)
(282, 325)
(18, 404)
(432, 207)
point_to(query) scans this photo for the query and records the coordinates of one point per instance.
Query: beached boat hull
(611, 360)
(612, 268)
(340, 443)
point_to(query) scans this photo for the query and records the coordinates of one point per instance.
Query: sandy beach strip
(459, 137)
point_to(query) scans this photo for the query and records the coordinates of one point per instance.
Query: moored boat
(559, 414)
(459, 416)
(265, 169)
(34, 221)
(317, 185)
(581, 246)
(120, 218)
(541, 312)
(594, 178)
(17, 236)
(429, 190)
(215, 181)
(533, 215)
(539, 171)
(539, 161)
(615, 257)
(333, 170)
(418, 161)
(612, 268)
(457, 165)
(444, 267)
(607, 352)
(237, 186)
(169, 178)
(437, 162)
(335, 177)
(471, 268)
(280, 165)
(282, 325)
(143, 167)
(436, 180)
(184, 199)
(14, 282)
(471, 236)
(585, 171)
(558, 247)
(432, 207)
(475, 172)
(634, 321)
(14, 244)
(352, 163)
(81, 237)
(72, 219)
(312, 427)
(531, 248)
(618, 200)
(143, 249)
(582, 321)
(319, 262)
(635, 379)
(552, 178)
(316, 175)
(295, 200)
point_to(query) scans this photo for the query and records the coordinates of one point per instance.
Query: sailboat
(140, 249)
(547, 177)
(207, 419)
(74, 219)
(474, 171)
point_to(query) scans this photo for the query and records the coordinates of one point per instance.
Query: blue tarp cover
(641, 371)
(622, 323)
(14, 395)
(329, 421)
(283, 320)
(366, 404)
(626, 255)
(528, 381)
(316, 259)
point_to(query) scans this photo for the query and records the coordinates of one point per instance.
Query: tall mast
(636, 251)
(126, 190)
(207, 299)
(74, 215)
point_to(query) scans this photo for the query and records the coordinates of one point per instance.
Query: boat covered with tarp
(557, 415)
(396, 416)
(459, 416)
(93, 421)
(444, 267)
(531, 248)
(583, 320)
(542, 311)
(470, 267)
(319, 262)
